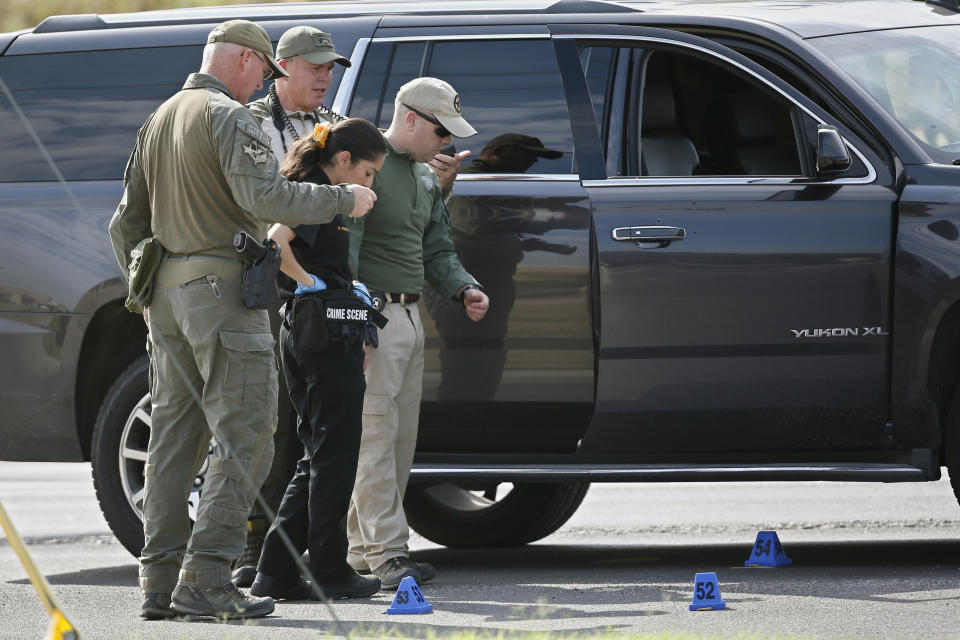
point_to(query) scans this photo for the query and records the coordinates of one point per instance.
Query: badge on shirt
(251, 151)
(256, 152)
(427, 182)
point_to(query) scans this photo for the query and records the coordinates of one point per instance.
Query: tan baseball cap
(438, 98)
(313, 45)
(250, 35)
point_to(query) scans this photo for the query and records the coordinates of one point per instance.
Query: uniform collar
(206, 81)
(392, 150)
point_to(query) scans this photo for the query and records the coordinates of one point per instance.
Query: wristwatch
(463, 292)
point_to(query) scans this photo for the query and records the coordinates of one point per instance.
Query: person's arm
(131, 221)
(283, 236)
(441, 265)
(251, 170)
(357, 227)
(446, 167)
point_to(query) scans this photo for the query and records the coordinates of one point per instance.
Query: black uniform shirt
(321, 249)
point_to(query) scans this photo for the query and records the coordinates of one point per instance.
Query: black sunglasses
(441, 131)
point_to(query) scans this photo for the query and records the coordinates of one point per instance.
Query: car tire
(456, 516)
(115, 467)
(951, 445)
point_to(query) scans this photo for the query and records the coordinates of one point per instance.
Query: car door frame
(616, 435)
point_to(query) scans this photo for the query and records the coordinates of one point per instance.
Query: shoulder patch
(254, 143)
(252, 154)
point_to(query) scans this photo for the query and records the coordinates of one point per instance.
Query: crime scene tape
(60, 628)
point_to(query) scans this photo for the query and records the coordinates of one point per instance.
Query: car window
(386, 68)
(85, 107)
(914, 74)
(688, 116)
(507, 88)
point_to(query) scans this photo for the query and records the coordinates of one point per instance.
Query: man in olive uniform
(288, 113)
(405, 240)
(200, 172)
(295, 103)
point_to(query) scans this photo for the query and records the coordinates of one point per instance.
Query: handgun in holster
(263, 265)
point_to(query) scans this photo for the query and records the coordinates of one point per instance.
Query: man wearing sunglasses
(405, 240)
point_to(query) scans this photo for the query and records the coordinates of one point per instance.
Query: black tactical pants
(326, 388)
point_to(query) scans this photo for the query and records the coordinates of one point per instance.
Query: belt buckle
(403, 298)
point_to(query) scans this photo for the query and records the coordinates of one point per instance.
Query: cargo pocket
(250, 373)
(228, 516)
(376, 405)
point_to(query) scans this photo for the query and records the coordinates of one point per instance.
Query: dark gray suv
(731, 252)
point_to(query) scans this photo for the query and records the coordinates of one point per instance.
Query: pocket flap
(237, 341)
(376, 405)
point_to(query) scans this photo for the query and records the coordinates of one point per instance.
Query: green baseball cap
(250, 35)
(313, 45)
(522, 141)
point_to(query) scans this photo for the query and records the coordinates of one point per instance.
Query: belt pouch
(346, 315)
(309, 326)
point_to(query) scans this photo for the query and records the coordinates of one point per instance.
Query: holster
(260, 277)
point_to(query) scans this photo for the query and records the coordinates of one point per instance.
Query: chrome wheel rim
(133, 457)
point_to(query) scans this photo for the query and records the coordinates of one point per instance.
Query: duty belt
(380, 298)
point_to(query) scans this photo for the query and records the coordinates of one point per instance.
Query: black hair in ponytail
(356, 135)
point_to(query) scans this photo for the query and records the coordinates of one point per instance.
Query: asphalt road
(869, 561)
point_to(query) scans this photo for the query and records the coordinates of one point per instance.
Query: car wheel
(951, 448)
(498, 515)
(119, 452)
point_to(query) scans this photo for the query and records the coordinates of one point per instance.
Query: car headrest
(754, 117)
(659, 108)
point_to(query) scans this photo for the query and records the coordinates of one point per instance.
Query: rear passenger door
(744, 297)
(521, 380)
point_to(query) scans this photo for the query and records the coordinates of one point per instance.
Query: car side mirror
(832, 155)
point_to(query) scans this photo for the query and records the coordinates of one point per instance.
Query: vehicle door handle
(651, 233)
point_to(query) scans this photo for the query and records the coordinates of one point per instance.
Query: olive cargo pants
(204, 344)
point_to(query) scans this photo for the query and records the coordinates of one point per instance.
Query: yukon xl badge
(839, 332)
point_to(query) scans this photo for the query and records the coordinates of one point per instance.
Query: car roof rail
(588, 6)
(949, 5)
(78, 22)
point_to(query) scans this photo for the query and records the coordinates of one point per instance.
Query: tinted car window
(914, 74)
(386, 68)
(693, 117)
(511, 87)
(85, 107)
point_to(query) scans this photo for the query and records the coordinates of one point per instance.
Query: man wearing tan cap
(295, 103)
(287, 113)
(405, 240)
(200, 172)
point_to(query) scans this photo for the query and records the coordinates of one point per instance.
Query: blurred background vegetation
(20, 14)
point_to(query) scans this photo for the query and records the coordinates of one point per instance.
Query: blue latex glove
(318, 285)
(360, 290)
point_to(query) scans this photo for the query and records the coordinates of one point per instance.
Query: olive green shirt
(406, 236)
(301, 121)
(202, 171)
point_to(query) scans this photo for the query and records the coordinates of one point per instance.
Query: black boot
(264, 585)
(245, 568)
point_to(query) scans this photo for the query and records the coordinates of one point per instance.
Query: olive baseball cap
(250, 35)
(313, 45)
(522, 141)
(439, 98)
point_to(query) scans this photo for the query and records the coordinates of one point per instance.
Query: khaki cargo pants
(377, 527)
(204, 344)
